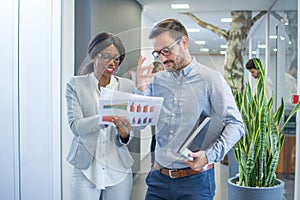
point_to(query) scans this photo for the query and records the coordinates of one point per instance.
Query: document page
(139, 110)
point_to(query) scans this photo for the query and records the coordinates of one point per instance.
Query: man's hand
(200, 160)
(143, 74)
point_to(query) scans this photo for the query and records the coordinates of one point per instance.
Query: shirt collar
(112, 85)
(185, 71)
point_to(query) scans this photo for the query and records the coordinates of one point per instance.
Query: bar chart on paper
(140, 110)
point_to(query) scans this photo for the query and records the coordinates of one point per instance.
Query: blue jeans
(194, 187)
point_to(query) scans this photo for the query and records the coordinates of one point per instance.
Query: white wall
(9, 151)
(39, 98)
(30, 73)
(67, 72)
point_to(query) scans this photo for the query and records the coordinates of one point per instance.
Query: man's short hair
(250, 64)
(176, 29)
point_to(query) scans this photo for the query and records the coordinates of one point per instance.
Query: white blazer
(83, 120)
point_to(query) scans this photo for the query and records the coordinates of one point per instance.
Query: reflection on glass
(283, 42)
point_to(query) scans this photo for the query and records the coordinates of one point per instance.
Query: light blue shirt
(186, 95)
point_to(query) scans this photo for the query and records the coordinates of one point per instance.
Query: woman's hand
(143, 74)
(123, 127)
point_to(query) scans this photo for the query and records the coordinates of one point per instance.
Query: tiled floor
(221, 176)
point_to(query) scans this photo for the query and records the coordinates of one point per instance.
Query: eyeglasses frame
(156, 54)
(110, 58)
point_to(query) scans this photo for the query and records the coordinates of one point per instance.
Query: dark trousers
(152, 146)
(194, 187)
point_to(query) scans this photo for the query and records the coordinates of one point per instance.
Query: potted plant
(257, 152)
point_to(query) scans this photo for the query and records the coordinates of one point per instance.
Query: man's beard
(174, 67)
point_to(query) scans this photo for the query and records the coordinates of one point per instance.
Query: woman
(101, 160)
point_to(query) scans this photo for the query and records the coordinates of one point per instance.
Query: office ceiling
(209, 11)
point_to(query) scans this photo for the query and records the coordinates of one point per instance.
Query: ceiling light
(180, 6)
(285, 20)
(226, 19)
(275, 50)
(282, 38)
(261, 46)
(204, 49)
(290, 42)
(273, 37)
(223, 52)
(200, 42)
(193, 30)
(223, 46)
(253, 52)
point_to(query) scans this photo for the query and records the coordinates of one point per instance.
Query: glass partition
(283, 56)
(280, 60)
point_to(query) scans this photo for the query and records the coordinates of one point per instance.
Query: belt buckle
(170, 173)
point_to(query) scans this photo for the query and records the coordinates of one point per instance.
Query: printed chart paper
(140, 110)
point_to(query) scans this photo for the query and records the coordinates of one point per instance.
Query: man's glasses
(164, 51)
(106, 57)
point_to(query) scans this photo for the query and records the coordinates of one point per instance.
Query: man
(293, 68)
(250, 66)
(188, 88)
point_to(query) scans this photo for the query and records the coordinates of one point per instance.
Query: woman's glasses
(106, 57)
(165, 51)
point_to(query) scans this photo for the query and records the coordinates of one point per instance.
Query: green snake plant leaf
(257, 152)
(273, 153)
(295, 109)
(279, 112)
(262, 103)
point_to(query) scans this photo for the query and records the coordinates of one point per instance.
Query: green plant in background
(257, 152)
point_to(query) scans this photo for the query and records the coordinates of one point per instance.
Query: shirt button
(103, 168)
